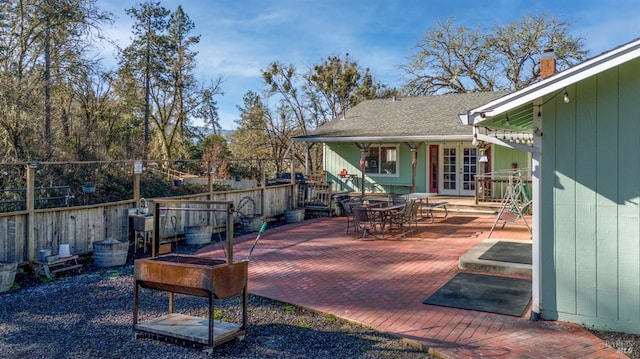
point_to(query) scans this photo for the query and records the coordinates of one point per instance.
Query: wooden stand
(59, 265)
(181, 276)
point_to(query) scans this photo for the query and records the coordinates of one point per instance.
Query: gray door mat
(484, 293)
(512, 252)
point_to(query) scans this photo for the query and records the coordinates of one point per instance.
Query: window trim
(381, 146)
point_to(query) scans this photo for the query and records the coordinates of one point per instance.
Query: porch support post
(364, 150)
(414, 162)
(306, 158)
(363, 156)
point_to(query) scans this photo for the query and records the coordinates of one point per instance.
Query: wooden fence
(23, 234)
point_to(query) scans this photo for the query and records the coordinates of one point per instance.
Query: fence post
(263, 175)
(210, 179)
(30, 206)
(137, 170)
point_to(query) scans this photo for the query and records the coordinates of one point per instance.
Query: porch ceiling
(520, 120)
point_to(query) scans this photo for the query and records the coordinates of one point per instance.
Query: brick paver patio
(382, 284)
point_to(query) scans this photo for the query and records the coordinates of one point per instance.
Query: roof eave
(329, 139)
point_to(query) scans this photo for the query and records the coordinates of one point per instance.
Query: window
(382, 160)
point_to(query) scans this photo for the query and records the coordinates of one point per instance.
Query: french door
(459, 168)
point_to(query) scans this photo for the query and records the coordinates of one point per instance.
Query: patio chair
(404, 217)
(364, 221)
(348, 212)
(415, 209)
(396, 199)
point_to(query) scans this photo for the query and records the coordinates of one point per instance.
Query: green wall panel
(629, 192)
(347, 156)
(606, 195)
(548, 300)
(584, 104)
(565, 201)
(503, 157)
(590, 198)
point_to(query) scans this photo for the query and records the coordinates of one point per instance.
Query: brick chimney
(547, 64)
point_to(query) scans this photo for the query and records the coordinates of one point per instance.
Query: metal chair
(404, 217)
(396, 199)
(415, 213)
(365, 222)
(348, 212)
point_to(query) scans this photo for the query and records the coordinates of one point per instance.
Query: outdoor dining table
(385, 212)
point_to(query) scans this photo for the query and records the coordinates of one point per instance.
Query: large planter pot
(7, 275)
(251, 224)
(294, 215)
(195, 235)
(110, 252)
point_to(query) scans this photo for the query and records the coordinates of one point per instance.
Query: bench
(56, 266)
(436, 205)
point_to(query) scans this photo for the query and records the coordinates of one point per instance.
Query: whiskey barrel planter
(110, 252)
(194, 235)
(251, 224)
(7, 275)
(294, 215)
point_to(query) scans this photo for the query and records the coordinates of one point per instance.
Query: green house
(413, 144)
(585, 124)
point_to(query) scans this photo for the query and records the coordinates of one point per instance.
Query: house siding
(590, 195)
(347, 156)
(503, 158)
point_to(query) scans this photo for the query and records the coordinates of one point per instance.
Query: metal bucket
(294, 215)
(63, 250)
(110, 252)
(194, 235)
(7, 275)
(44, 253)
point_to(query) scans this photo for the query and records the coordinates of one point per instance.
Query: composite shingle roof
(427, 117)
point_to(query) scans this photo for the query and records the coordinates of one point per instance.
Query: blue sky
(239, 38)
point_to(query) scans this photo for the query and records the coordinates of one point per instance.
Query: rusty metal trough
(197, 276)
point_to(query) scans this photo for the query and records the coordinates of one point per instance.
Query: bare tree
(458, 59)
(304, 101)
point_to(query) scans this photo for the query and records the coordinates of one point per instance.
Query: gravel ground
(90, 315)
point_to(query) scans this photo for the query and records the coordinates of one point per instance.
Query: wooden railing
(172, 174)
(317, 177)
(491, 187)
(315, 196)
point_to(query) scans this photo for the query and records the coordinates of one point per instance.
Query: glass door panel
(459, 168)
